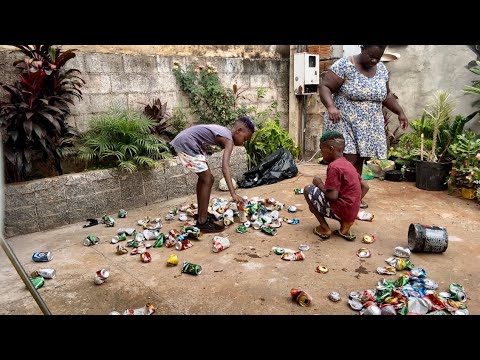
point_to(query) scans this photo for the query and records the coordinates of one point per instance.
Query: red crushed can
(146, 257)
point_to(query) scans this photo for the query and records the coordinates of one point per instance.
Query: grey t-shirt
(196, 139)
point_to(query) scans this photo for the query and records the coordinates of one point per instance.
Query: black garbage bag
(276, 167)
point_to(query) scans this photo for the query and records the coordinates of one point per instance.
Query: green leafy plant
(210, 100)
(34, 118)
(475, 87)
(466, 165)
(158, 113)
(178, 120)
(266, 141)
(122, 138)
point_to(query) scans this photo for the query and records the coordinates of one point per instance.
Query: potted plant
(432, 173)
(465, 173)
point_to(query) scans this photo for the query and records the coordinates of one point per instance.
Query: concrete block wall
(135, 80)
(52, 202)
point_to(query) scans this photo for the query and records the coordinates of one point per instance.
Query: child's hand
(238, 199)
(317, 181)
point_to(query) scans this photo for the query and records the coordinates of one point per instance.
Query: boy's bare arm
(329, 194)
(227, 152)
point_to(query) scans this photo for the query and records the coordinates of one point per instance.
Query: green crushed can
(298, 191)
(242, 229)
(91, 240)
(108, 220)
(37, 281)
(159, 241)
(189, 268)
(122, 213)
(455, 288)
(122, 237)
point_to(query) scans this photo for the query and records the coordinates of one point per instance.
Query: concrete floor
(248, 278)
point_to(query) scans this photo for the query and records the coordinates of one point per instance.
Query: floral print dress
(359, 100)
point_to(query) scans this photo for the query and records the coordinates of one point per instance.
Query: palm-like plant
(122, 138)
(439, 112)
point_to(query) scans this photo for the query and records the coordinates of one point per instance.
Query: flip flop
(322, 236)
(91, 222)
(349, 236)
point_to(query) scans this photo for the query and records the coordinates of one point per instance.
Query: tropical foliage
(33, 119)
(122, 138)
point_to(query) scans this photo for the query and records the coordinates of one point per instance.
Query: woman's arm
(392, 104)
(330, 85)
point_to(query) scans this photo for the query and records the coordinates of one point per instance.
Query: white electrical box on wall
(306, 73)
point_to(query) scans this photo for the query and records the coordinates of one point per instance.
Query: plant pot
(432, 176)
(410, 174)
(400, 162)
(468, 193)
(393, 175)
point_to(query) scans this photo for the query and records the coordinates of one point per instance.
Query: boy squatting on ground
(339, 197)
(191, 145)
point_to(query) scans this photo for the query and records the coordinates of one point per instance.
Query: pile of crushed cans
(410, 294)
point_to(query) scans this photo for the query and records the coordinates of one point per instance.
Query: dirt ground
(248, 278)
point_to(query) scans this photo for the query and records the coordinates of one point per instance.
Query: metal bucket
(427, 238)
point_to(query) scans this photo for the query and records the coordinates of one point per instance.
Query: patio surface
(248, 278)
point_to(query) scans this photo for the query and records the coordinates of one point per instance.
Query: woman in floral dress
(359, 85)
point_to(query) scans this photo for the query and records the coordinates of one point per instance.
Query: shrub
(34, 118)
(122, 138)
(267, 140)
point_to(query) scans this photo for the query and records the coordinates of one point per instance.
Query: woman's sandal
(322, 236)
(349, 236)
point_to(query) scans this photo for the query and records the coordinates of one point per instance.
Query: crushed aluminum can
(292, 209)
(355, 304)
(169, 216)
(159, 240)
(146, 257)
(437, 312)
(183, 244)
(365, 216)
(455, 288)
(247, 224)
(148, 309)
(91, 240)
(45, 273)
(192, 232)
(355, 295)
(108, 220)
(401, 252)
(121, 250)
(267, 219)
(387, 270)
(276, 223)
(242, 229)
(459, 296)
(304, 299)
(445, 294)
(143, 221)
(220, 243)
(430, 284)
(37, 282)
(150, 234)
(293, 221)
(303, 247)
(372, 309)
(293, 256)
(139, 250)
(418, 306)
(369, 238)
(42, 256)
(114, 313)
(101, 276)
(298, 191)
(274, 215)
(461, 312)
(334, 296)
(321, 269)
(268, 230)
(363, 253)
(387, 309)
(418, 272)
(254, 218)
(182, 217)
(122, 213)
(189, 268)
(397, 263)
(278, 250)
(128, 231)
(172, 260)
